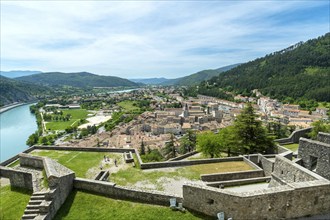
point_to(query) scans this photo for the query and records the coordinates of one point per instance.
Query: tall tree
(188, 142)
(319, 126)
(251, 136)
(170, 149)
(208, 144)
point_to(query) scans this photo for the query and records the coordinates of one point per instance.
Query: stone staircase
(38, 205)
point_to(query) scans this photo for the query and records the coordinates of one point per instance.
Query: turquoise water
(17, 125)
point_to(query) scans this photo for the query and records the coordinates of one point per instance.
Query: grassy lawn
(292, 147)
(76, 115)
(82, 205)
(128, 106)
(78, 161)
(13, 202)
(132, 175)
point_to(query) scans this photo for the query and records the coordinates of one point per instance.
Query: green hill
(301, 71)
(196, 78)
(15, 91)
(82, 80)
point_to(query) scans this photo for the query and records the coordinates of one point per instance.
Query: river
(17, 125)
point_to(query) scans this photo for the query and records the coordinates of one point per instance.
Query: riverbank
(11, 106)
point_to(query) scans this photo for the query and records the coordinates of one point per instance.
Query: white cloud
(148, 39)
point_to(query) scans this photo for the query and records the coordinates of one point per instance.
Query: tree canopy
(245, 136)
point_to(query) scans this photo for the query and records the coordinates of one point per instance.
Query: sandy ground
(95, 120)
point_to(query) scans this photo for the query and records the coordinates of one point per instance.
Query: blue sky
(141, 39)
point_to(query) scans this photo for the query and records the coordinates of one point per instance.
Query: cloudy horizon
(142, 39)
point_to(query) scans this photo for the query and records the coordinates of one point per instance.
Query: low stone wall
(294, 137)
(252, 164)
(27, 160)
(126, 193)
(254, 158)
(323, 137)
(17, 178)
(232, 175)
(183, 156)
(239, 182)
(187, 162)
(266, 164)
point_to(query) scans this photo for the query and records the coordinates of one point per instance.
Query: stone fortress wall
(292, 187)
(272, 203)
(60, 182)
(315, 155)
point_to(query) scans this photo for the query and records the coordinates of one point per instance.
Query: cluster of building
(289, 114)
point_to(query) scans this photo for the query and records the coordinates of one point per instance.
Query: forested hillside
(82, 79)
(301, 71)
(15, 91)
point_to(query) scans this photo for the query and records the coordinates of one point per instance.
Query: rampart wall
(187, 162)
(290, 172)
(27, 160)
(184, 156)
(17, 178)
(232, 175)
(126, 193)
(294, 137)
(60, 180)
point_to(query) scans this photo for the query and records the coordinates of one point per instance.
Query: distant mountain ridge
(150, 81)
(196, 78)
(301, 71)
(80, 79)
(18, 73)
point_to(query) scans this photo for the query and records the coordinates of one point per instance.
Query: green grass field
(132, 175)
(78, 161)
(82, 205)
(292, 147)
(128, 106)
(76, 115)
(13, 202)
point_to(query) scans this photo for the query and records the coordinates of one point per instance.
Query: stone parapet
(120, 192)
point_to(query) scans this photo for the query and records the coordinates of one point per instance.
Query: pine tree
(251, 136)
